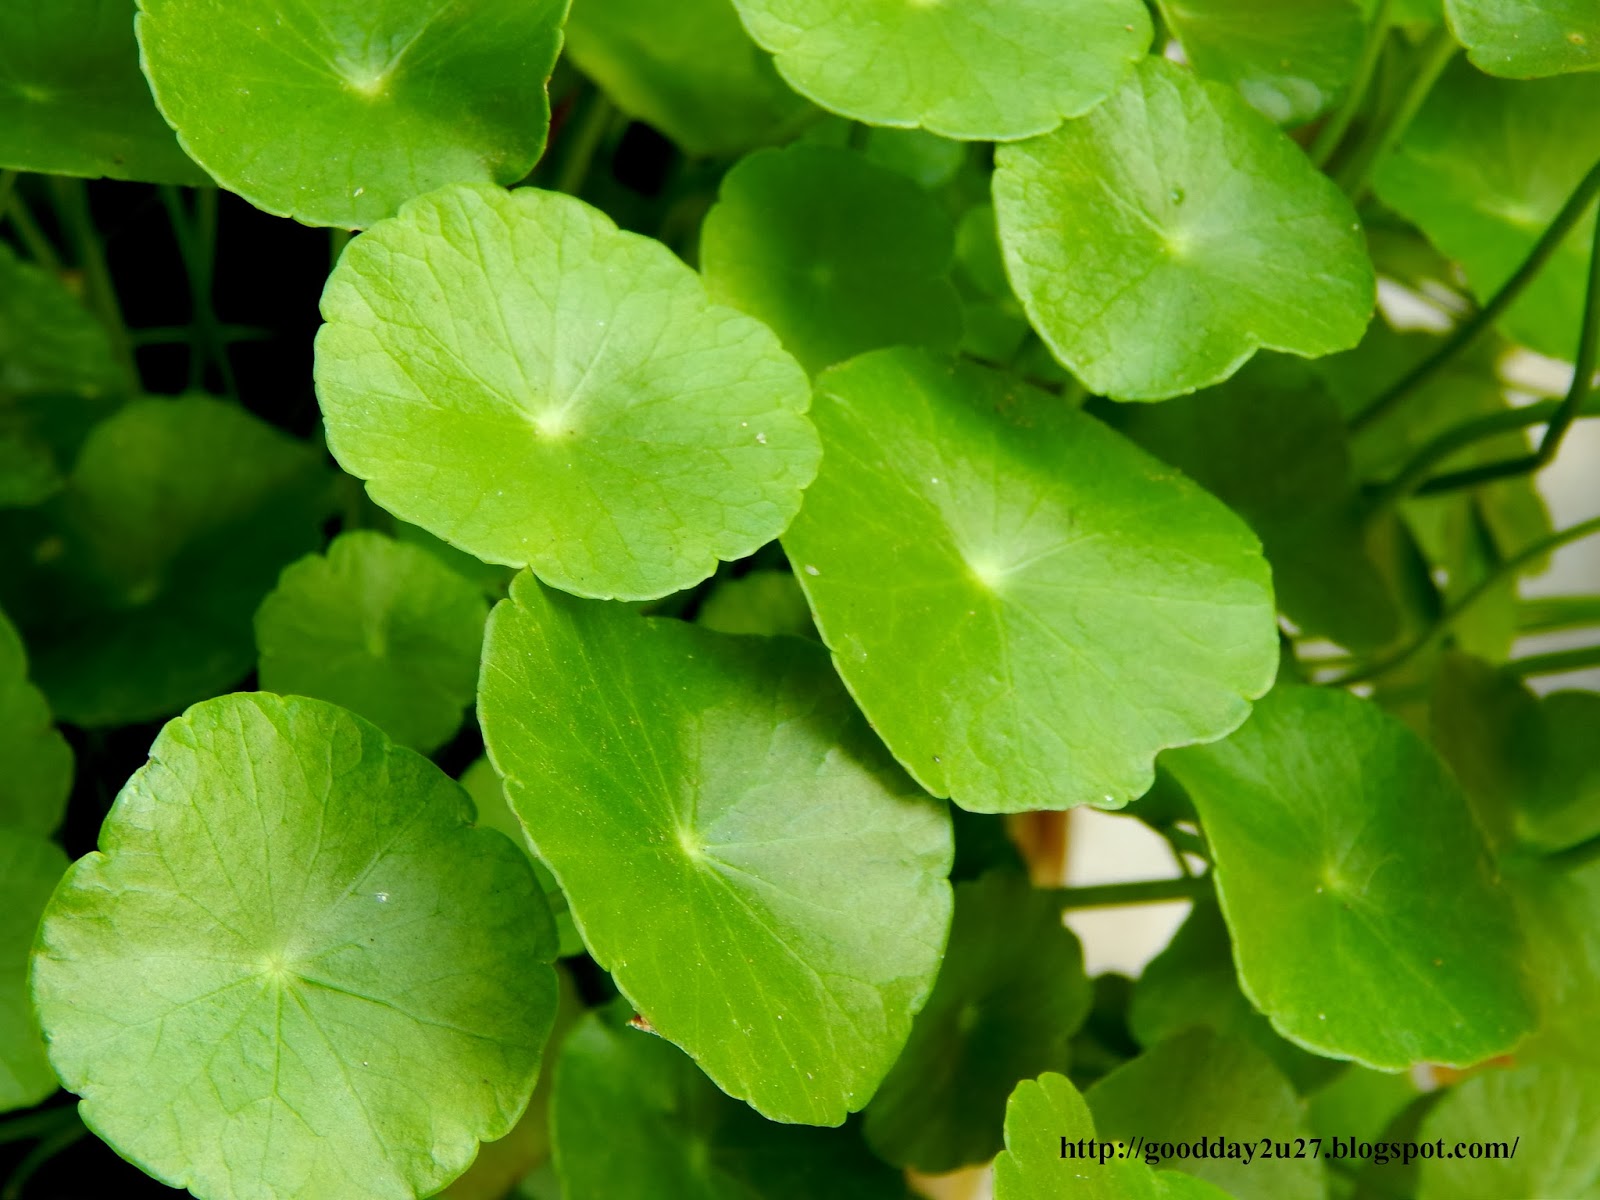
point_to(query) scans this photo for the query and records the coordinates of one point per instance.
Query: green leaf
(1270, 443)
(1046, 1117)
(687, 68)
(764, 602)
(1522, 39)
(1290, 61)
(836, 254)
(1483, 169)
(977, 74)
(1161, 240)
(37, 771)
(1333, 825)
(338, 113)
(1559, 906)
(639, 432)
(29, 869)
(1552, 1111)
(1359, 1104)
(1197, 1084)
(382, 628)
(1026, 605)
(1009, 997)
(720, 817)
(139, 582)
(293, 968)
(616, 1086)
(72, 101)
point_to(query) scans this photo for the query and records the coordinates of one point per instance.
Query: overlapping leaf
(1527, 38)
(29, 869)
(37, 762)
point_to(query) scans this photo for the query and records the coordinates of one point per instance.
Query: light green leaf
(35, 760)
(293, 968)
(980, 74)
(687, 68)
(683, 1138)
(1052, 1154)
(1483, 169)
(138, 583)
(1522, 39)
(1559, 906)
(720, 817)
(339, 112)
(764, 602)
(836, 254)
(1333, 825)
(1290, 61)
(1552, 1113)
(29, 869)
(574, 402)
(72, 101)
(1161, 240)
(382, 628)
(1009, 997)
(1360, 1103)
(1198, 1084)
(1026, 605)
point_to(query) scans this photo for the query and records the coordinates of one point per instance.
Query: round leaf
(1526, 38)
(1009, 997)
(836, 254)
(1026, 605)
(293, 968)
(1161, 240)
(720, 818)
(1332, 824)
(72, 101)
(383, 628)
(37, 771)
(337, 113)
(517, 376)
(994, 69)
(29, 869)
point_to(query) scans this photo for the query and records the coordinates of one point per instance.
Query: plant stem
(8, 186)
(586, 139)
(1465, 333)
(15, 210)
(72, 197)
(1143, 891)
(1556, 662)
(1551, 614)
(338, 239)
(1435, 56)
(33, 1125)
(1337, 125)
(1447, 621)
(197, 246)
(47, 1149)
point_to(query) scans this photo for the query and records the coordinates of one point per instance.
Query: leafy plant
(576, 727)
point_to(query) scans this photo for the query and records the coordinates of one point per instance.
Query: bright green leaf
(764, 602)
(836, 254)
(1161, 240)
(1483, 169)
(339, 112)
(382, 628)
(576, 405)
(1333, 825)
(1198, 1084)
(1009, 997)
(978, 73)
(635, 1118)
(1527, 38)
(1027, 606)
(1290, 61)
(720, 817)
(35, 760)
(293, 968)
(72, 101)
(29, 869)
(688, 68)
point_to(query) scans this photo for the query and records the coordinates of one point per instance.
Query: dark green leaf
(35, 760)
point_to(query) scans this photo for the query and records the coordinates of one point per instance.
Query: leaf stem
(197, 246)
(72, 196)
(1433, 58)
(15, 210)
(1337, 125)
(1142, 891)
(1556, 662)
(1552, 614)
(586, 138)
(47, 1149)
(31, 1125)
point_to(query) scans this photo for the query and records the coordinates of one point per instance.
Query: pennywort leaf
(1522, 39)
(29, 870)
(37, 774)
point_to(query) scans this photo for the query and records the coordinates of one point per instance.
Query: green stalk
(1553, 614)
(197, 246)
(1435, 56)
(47, 1149)
(1337, 125)
(72, 197)
(1556, 662)
(1144, 891)
(586, 139)
(14, 208)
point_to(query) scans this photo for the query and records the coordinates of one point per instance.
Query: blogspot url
(1154, 1153)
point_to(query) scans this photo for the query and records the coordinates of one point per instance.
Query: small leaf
(382, 628)
(29, 870)
(1026, 605)
(836, 254)
(293, 969)
(1332, 824)
(1009, 997)
(1161, 240)
(72, 101)
(617, 1086)
(639, 432)
(37, 762)
(979, 74)
(1522, 39)
(338, 114)
(720, 817)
